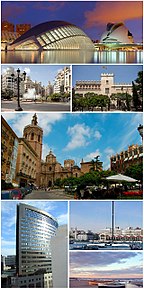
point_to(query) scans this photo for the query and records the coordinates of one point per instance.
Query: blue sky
(123, 73)
(127, 214)
(57, 209)
(106, 264)
(43, 73)
(82, 135)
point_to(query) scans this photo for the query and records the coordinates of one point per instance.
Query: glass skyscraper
(34, 230)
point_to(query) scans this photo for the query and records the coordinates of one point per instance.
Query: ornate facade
(106, 86)
(30, 168)
(133, 155)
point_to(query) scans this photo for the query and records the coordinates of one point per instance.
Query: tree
(135, 171)
(96, 164)
(138, 92)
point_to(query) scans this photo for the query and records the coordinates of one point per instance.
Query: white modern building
(63, 81)
(59, 247)
(8, 82)
(105, 86)
(117, 33)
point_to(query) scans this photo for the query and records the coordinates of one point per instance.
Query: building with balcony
(63, 81)
(133, 155)
(53, 35)
(120, 234)
(105, 86)
(26, 166)
(9, 149)
(8, 83)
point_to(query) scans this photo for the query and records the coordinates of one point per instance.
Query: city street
(32, 106)
(52, 195)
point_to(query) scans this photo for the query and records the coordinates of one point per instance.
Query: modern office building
(106, 86)
(121, 161)
(53, 35)
(34, 231)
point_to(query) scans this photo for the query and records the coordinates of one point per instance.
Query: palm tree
(96, 164)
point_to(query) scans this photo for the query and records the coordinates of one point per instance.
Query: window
(106, 90)
(32, 136)
(107, 82)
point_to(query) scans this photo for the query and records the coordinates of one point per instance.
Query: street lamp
(18, 79)
(140, 130)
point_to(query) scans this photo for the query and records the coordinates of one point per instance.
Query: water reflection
(71, 56)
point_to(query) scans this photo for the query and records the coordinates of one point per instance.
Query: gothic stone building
(48, 171)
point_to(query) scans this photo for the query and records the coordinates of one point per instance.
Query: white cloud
(97, 135)
(90, 156)
(45, 121)
(62, 219)
(27, 70)
(79, 134)
(109, 151)
(45, 151)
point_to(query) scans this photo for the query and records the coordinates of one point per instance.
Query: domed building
(53, 35)
(117, 33)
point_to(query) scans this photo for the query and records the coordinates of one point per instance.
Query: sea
(72, 56)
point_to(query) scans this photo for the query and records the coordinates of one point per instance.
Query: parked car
(17, 194)
(6, 195)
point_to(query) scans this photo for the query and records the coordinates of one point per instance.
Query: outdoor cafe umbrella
(120, 177)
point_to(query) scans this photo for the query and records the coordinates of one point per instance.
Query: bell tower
(34, 135)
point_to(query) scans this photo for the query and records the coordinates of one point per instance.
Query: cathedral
(49, 170)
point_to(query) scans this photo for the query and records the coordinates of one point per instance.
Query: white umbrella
(120, 177)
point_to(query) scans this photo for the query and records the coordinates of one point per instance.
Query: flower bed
(133, 193)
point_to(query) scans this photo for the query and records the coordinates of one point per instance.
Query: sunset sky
(91, 16)
(106, 264)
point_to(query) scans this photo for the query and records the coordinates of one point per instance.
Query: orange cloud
(117, 11)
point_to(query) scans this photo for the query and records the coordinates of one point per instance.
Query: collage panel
(107, 88)
(106, 269)
(72, 32)
(72, 156)
(36, 88)
(34, 244)
(109, 225)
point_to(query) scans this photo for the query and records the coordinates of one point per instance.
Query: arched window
(50, 168)
(32, 136)
(39, 138)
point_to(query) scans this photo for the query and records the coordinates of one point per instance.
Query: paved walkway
(52, 195)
